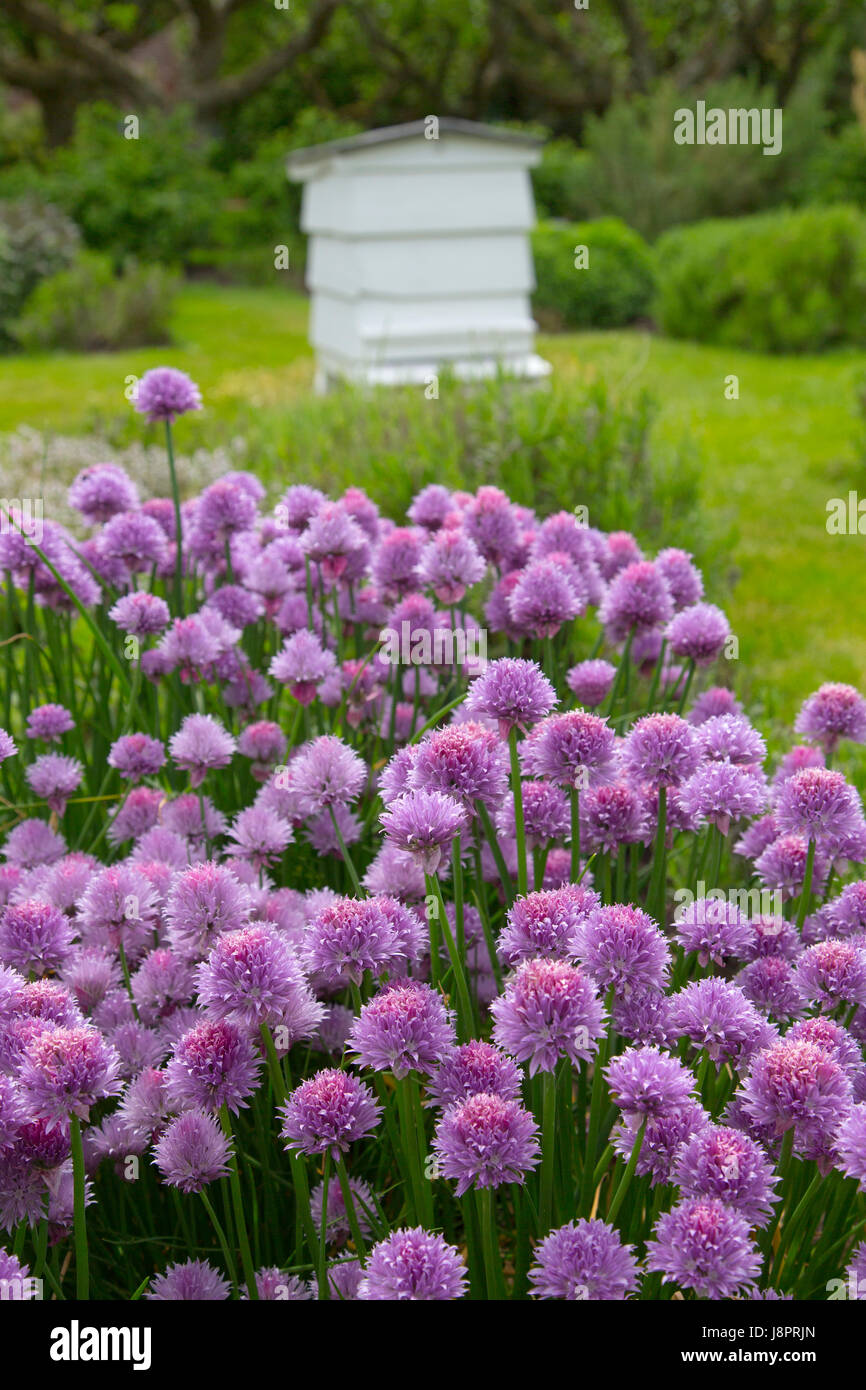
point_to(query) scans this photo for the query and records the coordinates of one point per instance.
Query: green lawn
(774, 457)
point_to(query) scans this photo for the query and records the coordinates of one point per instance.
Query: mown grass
(771, 458)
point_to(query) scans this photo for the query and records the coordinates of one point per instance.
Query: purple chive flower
(49, 722)
(485, 1141)
(34, 937)
(699, 633)
(716, 929)
(252, 977)
(621, 946)
(723, 1163)
(832, 1038)
(584, 1260)
(474, 1067)
(213, 1065)
(795, 1083)
(91, 975)
(851, 1145)
(273, 1286)
(704, 1245)
(549, 1009)
(646, 1081)
(53, 778)
(102, 490)
(134, 540)
(546, 923)
(183, 815)
(717, 1016)
(620, 549)
(845, 915)
(303, 664)
(326, 773)
(637, 599)
(140, 614)
(328, 1112)
(332, 539)
(259, 837)
(591, 681)
(514, 692)
(490, 521)
(430, 507)
(205, 901)
(782, 866)
(338, 1228)
(299, 505)
(641, 1015)
(192, 1152)
(164, 393)
(681, 575)
(424, 823)
(161, 982)
(731, 738)
(757, 837)
(201, 745)
(611, 815)
(720, 792)
(136, 756)
(193, 1280)
(712, 703)
(660, 750)
(818, 804)
(67, 1070)
(449, 565)
(465, 761)
(664, 1136)
(405, 1027)
(395, 564)
(265, 744)
(8, 746)
(801, 756)
(413, 1266)
(546, 596)
(772, 985)
(348, 937)
(545, 814)
(574, 749)
(831, 973)
(118, 907)
(834, 712)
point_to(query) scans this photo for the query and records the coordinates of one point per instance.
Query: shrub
(635, 171)
(778, 282)
(615, 287)
(541, 444)
(36, 240)
(562, 181)
(153, 197)
(88, 307)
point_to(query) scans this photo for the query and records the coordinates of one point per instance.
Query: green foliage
(635, 171)
(791, 281)
(548, 446)
(562, 181)
(36, 240)
(615, 287)
(154, 197)
(90, 308)
(836, 170)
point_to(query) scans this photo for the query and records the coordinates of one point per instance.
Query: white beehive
(419, 254)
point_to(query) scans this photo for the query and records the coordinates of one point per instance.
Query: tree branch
(232, 89)
(94, 53)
